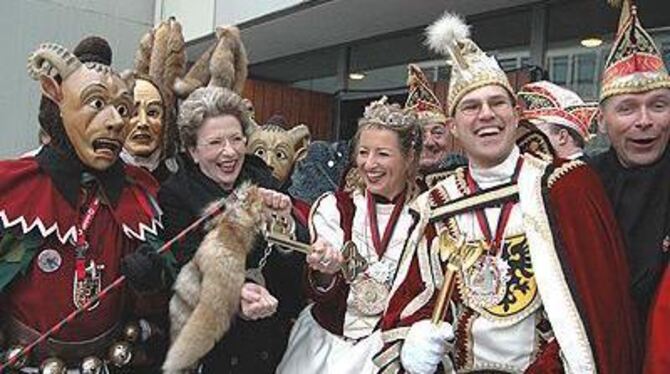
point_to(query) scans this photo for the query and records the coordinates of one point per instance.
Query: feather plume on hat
(472, 68)
(444, 35)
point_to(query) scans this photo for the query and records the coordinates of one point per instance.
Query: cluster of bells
(119, 354)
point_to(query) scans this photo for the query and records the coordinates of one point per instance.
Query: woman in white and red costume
(339, 332)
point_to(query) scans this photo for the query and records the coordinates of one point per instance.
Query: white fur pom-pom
(444, 32)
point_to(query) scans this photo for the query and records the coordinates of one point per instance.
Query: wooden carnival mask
(280, 148)
(95, 104)
(146, 126)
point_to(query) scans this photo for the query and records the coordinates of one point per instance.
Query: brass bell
(132, 332)
(12, 352)
(120, 353)
(53, 365)
(91, 365)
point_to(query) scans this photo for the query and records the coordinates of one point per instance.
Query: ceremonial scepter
(458, 256)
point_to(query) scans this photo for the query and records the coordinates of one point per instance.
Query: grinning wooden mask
(280, 148)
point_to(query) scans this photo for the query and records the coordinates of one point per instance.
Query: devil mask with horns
(86, 105)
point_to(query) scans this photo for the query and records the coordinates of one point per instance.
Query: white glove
(425, 346)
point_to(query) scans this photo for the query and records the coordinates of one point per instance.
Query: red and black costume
(41, 203)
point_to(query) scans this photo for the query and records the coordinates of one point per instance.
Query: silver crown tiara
(392, 115)
(395, 117)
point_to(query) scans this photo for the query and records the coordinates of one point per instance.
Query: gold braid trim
(563, 170)
(634, 87)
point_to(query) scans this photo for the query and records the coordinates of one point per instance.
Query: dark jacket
(640, 197)
(249, 346)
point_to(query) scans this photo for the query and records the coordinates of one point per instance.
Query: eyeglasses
(474, 107)
(218, 144)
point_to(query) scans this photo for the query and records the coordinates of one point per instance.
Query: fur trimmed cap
(471, 67)
(634, 64)
(421, 99)
(546, 102)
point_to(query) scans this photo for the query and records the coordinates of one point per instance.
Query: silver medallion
(369, 296)
(486, 281)
(49, 260)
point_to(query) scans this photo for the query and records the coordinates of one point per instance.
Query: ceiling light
(591, 42)
(356, 76)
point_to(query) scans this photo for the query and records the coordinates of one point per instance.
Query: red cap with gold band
(546, 102)
(634, 64)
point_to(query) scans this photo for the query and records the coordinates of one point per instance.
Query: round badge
(486, 281)
(369, 296)
(49, 260)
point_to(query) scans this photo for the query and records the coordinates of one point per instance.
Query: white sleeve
(324, 221)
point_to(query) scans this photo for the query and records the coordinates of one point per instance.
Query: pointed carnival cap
(471, 67)
(634, 64)
(546, 102)
(421, 99)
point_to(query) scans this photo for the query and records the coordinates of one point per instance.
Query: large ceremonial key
(277, 233)
(280, 230)
(459, 256)
(288, 243)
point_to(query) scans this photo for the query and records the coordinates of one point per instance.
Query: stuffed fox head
(242, 219)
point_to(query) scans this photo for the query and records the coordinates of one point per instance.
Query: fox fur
(159, 51)
(207, 290)
(143, 55)
(223, 64)
(162, 56)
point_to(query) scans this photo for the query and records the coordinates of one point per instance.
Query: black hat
(94, 49)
